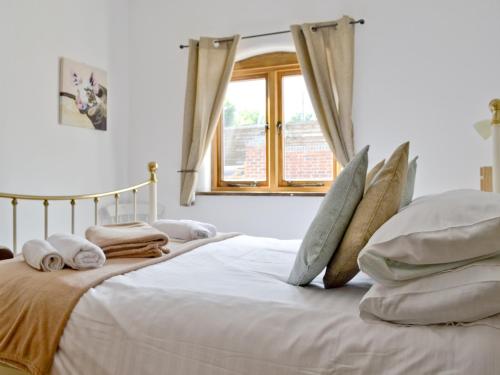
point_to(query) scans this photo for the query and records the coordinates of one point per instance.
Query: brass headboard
(151, 182)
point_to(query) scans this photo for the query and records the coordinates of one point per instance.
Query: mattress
(225, 308)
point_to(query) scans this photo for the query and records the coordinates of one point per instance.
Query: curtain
(326, 57)
(210, 67)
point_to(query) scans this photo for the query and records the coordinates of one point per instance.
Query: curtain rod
(314, 28)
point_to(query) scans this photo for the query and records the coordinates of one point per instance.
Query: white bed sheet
(225, 308)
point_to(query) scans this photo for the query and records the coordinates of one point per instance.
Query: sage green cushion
(331, 221)
(409, 188)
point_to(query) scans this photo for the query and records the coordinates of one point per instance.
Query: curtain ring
(315, 28)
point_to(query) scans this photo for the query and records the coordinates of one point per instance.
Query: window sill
(265, 193)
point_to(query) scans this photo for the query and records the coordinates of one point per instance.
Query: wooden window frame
(217, 145)
(272, 66)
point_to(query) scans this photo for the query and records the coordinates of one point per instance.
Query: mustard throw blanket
(130, 240)
(35, 306)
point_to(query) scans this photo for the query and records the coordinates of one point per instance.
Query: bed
(225, 308)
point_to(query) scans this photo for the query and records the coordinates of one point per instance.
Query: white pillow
(463, 295)
(433, 234)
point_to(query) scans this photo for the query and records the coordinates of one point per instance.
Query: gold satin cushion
(380, 202)
(373, 172)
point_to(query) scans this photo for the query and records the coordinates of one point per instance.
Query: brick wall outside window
(308, 156)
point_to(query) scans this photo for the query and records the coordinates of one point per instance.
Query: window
(268, 138)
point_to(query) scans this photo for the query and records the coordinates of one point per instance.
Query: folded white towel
(77, 252)
(41, 255)
(186, 230)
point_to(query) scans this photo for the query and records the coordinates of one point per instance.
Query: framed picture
(83, 95)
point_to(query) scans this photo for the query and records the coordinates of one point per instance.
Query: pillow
(331, 221)
(410, 183)
(373, 172)
(381, 201)
(463, 295)
(434, 233)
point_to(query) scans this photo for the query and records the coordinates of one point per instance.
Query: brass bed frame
(16, 198)
(151, 183)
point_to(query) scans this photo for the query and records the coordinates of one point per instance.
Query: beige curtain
(326, 57)
(209, 71)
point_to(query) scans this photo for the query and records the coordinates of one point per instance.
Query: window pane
(307, 156)
(244, 131)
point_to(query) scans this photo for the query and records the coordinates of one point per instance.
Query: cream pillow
(434, 233)
(464, 294)
(380, 202)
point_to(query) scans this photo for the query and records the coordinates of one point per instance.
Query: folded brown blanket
(130, 240)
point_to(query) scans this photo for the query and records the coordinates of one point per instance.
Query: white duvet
(225, 308)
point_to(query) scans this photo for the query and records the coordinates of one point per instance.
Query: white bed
(225, 308)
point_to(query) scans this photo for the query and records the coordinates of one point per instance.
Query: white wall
(425, 71)
(37, 155)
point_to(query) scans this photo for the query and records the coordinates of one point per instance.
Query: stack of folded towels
(186, 230)
(436, 262)
(130, 240)
(62, 249)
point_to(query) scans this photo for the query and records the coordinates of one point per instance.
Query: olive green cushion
(328, 227)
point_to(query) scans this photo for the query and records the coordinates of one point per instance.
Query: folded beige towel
(130, 240)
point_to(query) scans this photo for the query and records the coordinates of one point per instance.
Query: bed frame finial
(153, 167)
(495, 109)
(153, 196)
